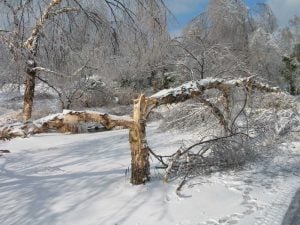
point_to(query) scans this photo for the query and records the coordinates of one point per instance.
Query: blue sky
(185, 10)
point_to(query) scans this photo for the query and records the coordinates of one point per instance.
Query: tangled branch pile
(228, 130)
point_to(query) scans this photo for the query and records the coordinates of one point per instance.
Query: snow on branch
(67, 121)
(32, 42)
(75, 117)
(196, 88)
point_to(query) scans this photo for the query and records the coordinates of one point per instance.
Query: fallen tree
(67, 121)
(140, 167)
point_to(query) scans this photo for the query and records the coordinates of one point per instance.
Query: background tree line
(92, 53)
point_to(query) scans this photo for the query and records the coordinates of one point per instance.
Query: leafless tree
(265, 17)
(200, 55)
(63, 34)
(229, 23)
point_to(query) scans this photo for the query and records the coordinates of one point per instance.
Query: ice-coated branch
(195, 88)
(32, 41)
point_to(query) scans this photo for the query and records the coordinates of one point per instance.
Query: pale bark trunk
(31, 44)
(140, 166)
(64, 122)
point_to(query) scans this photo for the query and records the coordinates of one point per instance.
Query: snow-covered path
(83, 180)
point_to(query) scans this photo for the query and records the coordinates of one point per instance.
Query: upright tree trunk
(29, 90)
(31, 45)
(140, 166)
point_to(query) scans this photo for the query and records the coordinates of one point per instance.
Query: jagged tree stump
(140, 166)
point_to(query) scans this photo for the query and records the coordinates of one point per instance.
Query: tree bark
(31, 45)
(29, 90)
(140, 166)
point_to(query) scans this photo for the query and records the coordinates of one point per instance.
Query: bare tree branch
(32, 42)
(63, 10)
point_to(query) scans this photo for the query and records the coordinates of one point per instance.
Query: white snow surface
(83, 179)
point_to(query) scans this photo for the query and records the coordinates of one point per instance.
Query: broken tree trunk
(140, 166)
(68, 121)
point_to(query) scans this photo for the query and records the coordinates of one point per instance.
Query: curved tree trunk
(31, 45)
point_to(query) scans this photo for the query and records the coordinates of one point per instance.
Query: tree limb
(32, 42)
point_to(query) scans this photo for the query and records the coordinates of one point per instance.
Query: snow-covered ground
(83, 179)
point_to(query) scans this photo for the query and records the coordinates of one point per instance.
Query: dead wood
(68, 121)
